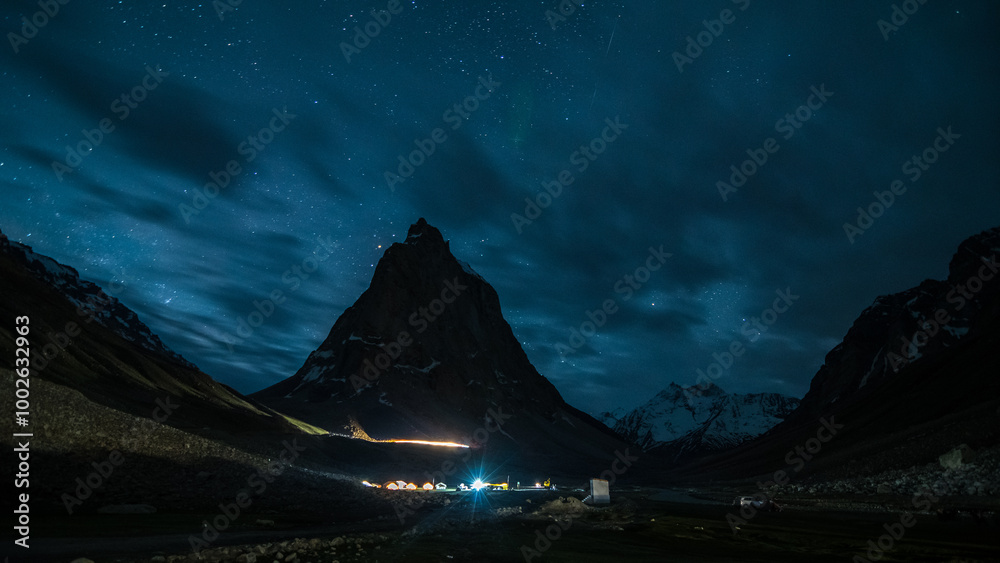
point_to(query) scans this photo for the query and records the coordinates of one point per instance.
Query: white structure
(600, 491)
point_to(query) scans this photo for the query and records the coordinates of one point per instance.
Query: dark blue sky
(308, 189)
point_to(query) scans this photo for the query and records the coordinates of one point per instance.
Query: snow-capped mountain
(681, 421)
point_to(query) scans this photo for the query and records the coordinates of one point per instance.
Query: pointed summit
(425, 353)
(422, 230)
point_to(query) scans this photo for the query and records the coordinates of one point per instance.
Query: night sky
(309, 189)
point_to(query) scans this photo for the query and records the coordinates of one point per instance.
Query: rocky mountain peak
(426, 233)
(425, 352)
(914, 326)
(973, 251)
(674, 392)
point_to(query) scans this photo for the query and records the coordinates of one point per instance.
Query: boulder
(961, 455)
(564, 505)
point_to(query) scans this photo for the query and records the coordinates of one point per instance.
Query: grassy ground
(465, 527)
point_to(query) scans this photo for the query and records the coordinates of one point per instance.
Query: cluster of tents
(404, 486)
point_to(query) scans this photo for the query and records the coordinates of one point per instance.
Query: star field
(118, 216)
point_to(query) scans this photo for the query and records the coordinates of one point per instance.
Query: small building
(600, 491)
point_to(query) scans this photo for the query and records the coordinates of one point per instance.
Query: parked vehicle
(758, 502)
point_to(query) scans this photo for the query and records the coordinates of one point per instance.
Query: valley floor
(546, 526)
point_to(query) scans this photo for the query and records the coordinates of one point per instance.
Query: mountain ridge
(87, 340)
(92, 303)
(900, 405)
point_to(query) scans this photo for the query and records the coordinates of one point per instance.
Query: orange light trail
(429, 443)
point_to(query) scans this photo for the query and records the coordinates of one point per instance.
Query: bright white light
(478, 484)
